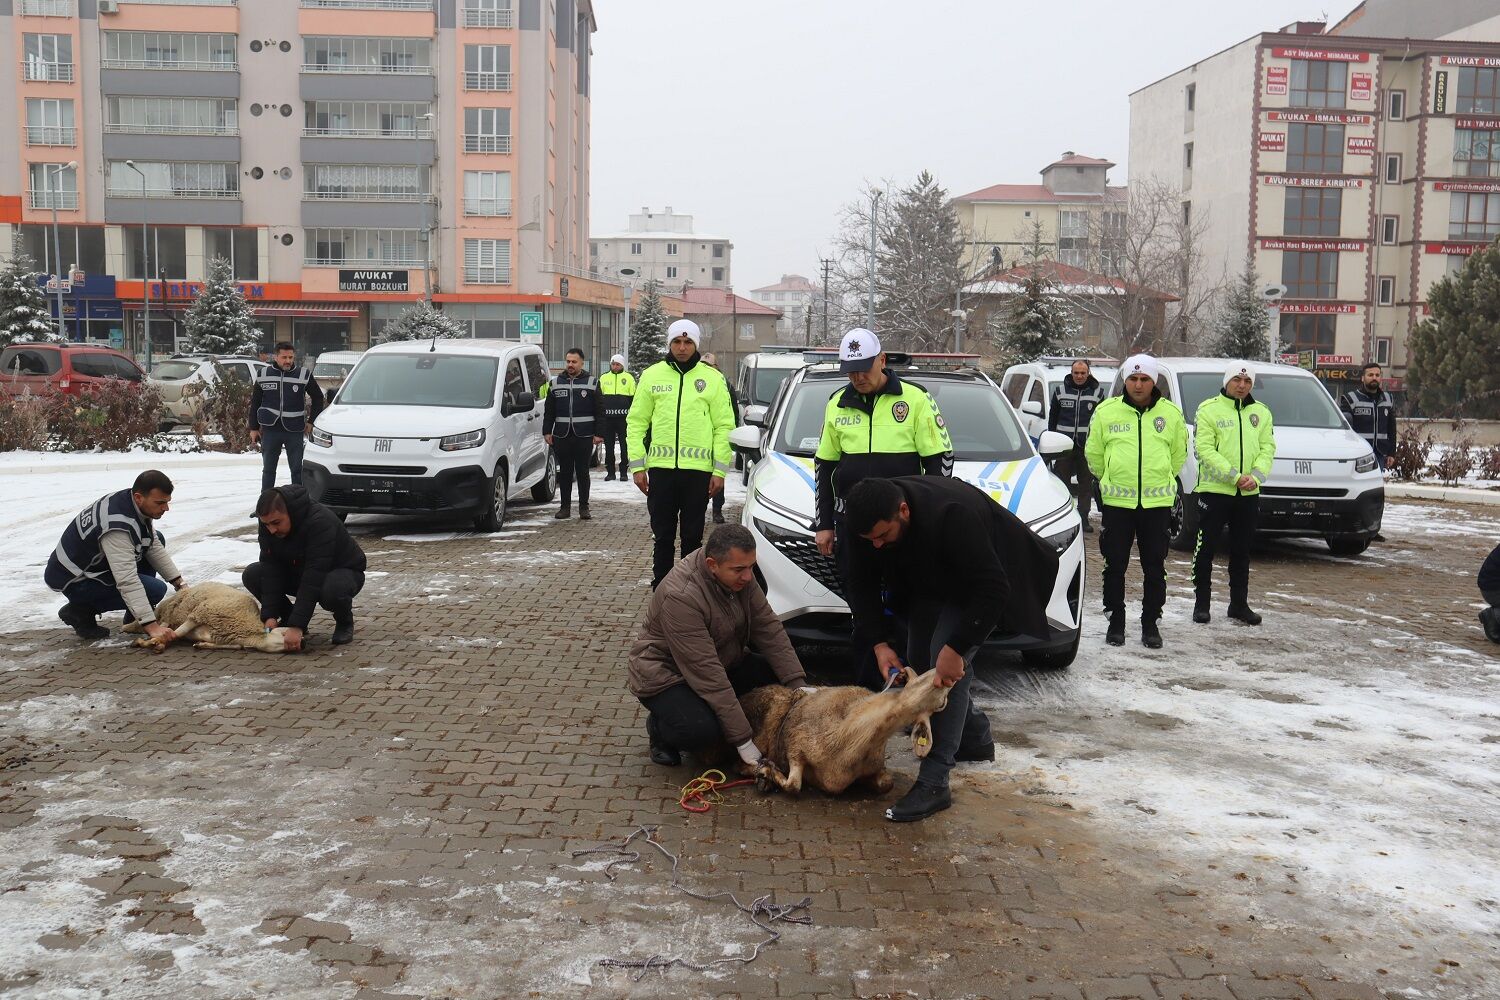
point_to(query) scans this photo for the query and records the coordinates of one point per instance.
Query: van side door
(534, 448)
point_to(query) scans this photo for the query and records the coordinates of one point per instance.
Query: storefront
(91, 311)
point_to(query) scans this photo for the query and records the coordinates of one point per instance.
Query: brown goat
(836, 736)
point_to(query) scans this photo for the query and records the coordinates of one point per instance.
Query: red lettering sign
(1284, 180)
(1320, 117)
(1335, 359)
(1324, 55)
(1287, 243)
(1361, 86)
(1467, 187)
(1471, 61)
(1452, 249)
(1318, 308)
(1273, 142)
(1361, 146)
(1276, 79)
(1476, 123)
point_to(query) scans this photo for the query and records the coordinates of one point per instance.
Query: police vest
(1136, 456)
(283, 398)
(1372, 419)
(79, 555)
(1232, 438)
(571, 402)
(688, 416)
(885, 435)
(616, 389)
(1074, 406)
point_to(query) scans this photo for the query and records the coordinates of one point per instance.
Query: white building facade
(663, 247)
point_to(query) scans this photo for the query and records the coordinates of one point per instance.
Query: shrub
(1489, 462)
(1456, 460)
(23, 423)
(1413, 446)
(224, 413)
(112, 416)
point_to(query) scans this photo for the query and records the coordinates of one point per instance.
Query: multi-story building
(793, 296)
(1353, 170)
(1072, 209)
(732, 325)
(662, 247)
(347, 156)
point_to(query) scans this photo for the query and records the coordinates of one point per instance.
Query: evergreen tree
(1453, 351)
(218, 322)
(919, 267)
(1244, 328)
(648, 331)
(422, 322)
(25, 316)
(1039, 320)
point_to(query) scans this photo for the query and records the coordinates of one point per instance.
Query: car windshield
(763, 387)
(332, 369)
(174, 371)
(983, 428)
(425, 379)
(1294, 400)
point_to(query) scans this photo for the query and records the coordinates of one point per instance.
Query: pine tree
(25, 316)
(1453, 351)
(1244, 328)
(919, 267)
(422, 322)
(648, 331)
(219, 320)
(1039, 321)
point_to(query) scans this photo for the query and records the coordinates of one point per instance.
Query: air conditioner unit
(109, 6)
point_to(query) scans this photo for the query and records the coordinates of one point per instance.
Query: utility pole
(827, 268)
(874, 218)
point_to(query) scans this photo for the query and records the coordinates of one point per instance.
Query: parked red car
(70, 368)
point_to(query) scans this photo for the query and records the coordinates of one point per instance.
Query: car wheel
(1347, 545)
(1184, 524)
(496, 497)
(546, 489)
(1052, 659)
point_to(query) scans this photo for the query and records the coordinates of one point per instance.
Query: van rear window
(30, 361)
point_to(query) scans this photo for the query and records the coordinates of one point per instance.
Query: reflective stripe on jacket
(1137, 454)
(685, 408)
(617, 390)
(569, 407)
(1373, 418)
(79, 554)
(1232, 438)
(1072, 407)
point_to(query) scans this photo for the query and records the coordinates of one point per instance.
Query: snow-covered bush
(112, 416)
(23, 423)
(224, 416)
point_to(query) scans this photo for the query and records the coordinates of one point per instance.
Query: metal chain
(761, 911)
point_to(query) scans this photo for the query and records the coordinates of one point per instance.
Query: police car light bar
(900, 359)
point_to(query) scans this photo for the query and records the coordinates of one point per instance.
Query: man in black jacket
(1489, 589)
(955, 565)
(568, 426)
(279, 418)
(305, 553)
(1072, 408)
(1372, 413)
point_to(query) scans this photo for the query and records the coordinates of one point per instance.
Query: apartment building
(793, 296)
(662, 247)
(347, 156)
(1355, 171)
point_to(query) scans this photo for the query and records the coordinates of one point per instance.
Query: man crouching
(308, 555)
(692, 659)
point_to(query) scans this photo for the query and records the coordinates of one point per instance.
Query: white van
(761, 374)
(435, 428)
(1029, 386)
(1324, 482)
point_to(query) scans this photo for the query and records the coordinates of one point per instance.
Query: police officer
(1234, 442)
(111, 558)
(1372, 414)
(568, 422)
(713, 362)
(1137, 444)
(1073, 405)
(616, 390)
(278, 408)
(684, 405)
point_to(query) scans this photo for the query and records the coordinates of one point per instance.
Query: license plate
(383, 485)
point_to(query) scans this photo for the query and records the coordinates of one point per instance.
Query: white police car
(991, 450)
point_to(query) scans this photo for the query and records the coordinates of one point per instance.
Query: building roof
(721, 301)
(1035, 193)
(1074, 160)
(1069, 280)
(788, 283)
(663, 236)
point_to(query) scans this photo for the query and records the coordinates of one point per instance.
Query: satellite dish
(628, 272)
(1273, 293)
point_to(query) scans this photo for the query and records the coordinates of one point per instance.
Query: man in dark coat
(1489, 589)
(955, 566)
(305, 553)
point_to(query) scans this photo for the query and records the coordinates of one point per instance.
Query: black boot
(1240, 612)
(1200, 610)
(564, 512)
(1490, 619)
(719, 516)
(609, 478)
(1150, 634)
(343, 630)
(1116, 634)
(660, 753)
(920, 802)
(583, 512)
(83, 620)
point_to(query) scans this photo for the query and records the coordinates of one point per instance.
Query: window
(173, 180)
(487, 130)
(1072, 237)
(487, 262)
(486, 67)
(49, 57)
(671, 272)
(53, 186)
(1308, 333)
(322, 54)
(1476, 152)
(1187, 157)
(168, 252)
(1318, 84)
(671, 249)
(1383, 351)
(365, 182)
(487, 192)
(1192, 97)
(718, 274)
(1473, 216)
(535, 370)
(238, 246)
(593, 249)
(1310, 275)
(1478, 91)
(1395, 106)
(1314, 149)
(168, 50)
(49, 122)
(93, 365)
(1393, 168)
(1312, 212)
(718, 249)
(515, 383)
(488, 14)
(1035, 395)
(635, 249)
(1385, 294)
(82, 247)
(341, 247)
(1390, 229)
(373, 119)
(182, 115)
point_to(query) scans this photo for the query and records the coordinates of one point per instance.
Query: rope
(704, 790)
(762, 912)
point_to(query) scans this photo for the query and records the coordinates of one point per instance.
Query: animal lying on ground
(213, 616)
(835, 737)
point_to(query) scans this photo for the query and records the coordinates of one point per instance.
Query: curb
(1444, 494)
(137, 462)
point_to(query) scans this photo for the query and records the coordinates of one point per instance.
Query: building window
(487, 67)
(1382, 351)
(487, 262)
(173, 180)
(168, 50)
(168, 253)
(1312, 275)
(1390, 229)
(487, 192)
(1476, 152)
(486, 130)
(1385, 293)
(172, 115)
(48, 58)
(356, 247)
(1312, 212)
(239, 247)
(49, 122)
(365, 182)
(1478, 91)
(718, 249)
(1393, 168)
(369, 119)
(1308, 333)
(1473, 216)
(82, 247)
(671, 272)
(1318, 84)
(1314, 149)
(1191, 94)
(52, 187)
(366, 55)
(593, 250)
(488, 14)
(1072, 237)
(671, 249)
(718, 274)
(1395, 106)
(635, 249)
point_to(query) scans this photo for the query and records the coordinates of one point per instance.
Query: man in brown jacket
(693, 657)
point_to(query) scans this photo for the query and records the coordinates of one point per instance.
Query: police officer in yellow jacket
(616, 392)
(1136, 446)
(684, 405)
(1235, 442)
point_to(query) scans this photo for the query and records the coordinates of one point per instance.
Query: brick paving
(397, 818)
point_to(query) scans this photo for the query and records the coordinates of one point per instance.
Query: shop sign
(1361, 86)
(374, 281)
(1276, 79)
(1321, 117)
(1284, 180)
(1321, 55)
(1310, 246)
(1317, 308)
(1471, 60)
(1440, 94)
(1361, 146)
(1484, 123)
(1453, 249)
(187, 290)
(1273, 142)
(1467, 187)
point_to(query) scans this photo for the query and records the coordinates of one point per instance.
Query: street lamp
(145, 265)
(52, 197)
(426, 224)
(628, 273)
(874, 218)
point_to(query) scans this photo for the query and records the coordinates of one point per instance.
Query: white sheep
(213, 616)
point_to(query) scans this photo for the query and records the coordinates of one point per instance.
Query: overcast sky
(760, 118)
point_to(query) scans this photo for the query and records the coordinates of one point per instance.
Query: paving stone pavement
(398, 818)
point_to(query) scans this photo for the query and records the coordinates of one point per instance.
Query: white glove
(807, 689)
(749, 752)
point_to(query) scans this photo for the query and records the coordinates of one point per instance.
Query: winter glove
(749, 752)
(807, 689)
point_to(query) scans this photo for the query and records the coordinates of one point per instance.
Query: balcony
(48, 72)
(51, 135)
(486, 144)
(477, 18)
(48, 8)
(189, 194)
(475, 80)
(487, 206)
(122, 128)
(355, 194)
(378, 68)
(53, 199)
(190, 3)
(371, 4)
(199, 65)
(369, 133)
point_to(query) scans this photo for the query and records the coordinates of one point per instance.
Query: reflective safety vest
(79, 554)
(570, 406)
(1373, 418)
(1072, 407)
(686, 410)
(280, 399)
(1136, 455)
(1232, 438)
(617, 390)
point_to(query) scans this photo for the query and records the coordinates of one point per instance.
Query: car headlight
(775, 533)
(1060, 540)
(459, 442)
(1365, 463)
(322, 438)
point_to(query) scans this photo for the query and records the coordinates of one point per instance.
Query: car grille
(807, 558)
(1302, 491)
(385, 470)
(404, 499)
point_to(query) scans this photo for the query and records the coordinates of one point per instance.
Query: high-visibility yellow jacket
(616, 390)
(1232, 438)
(1136, 454)
(686, 409)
